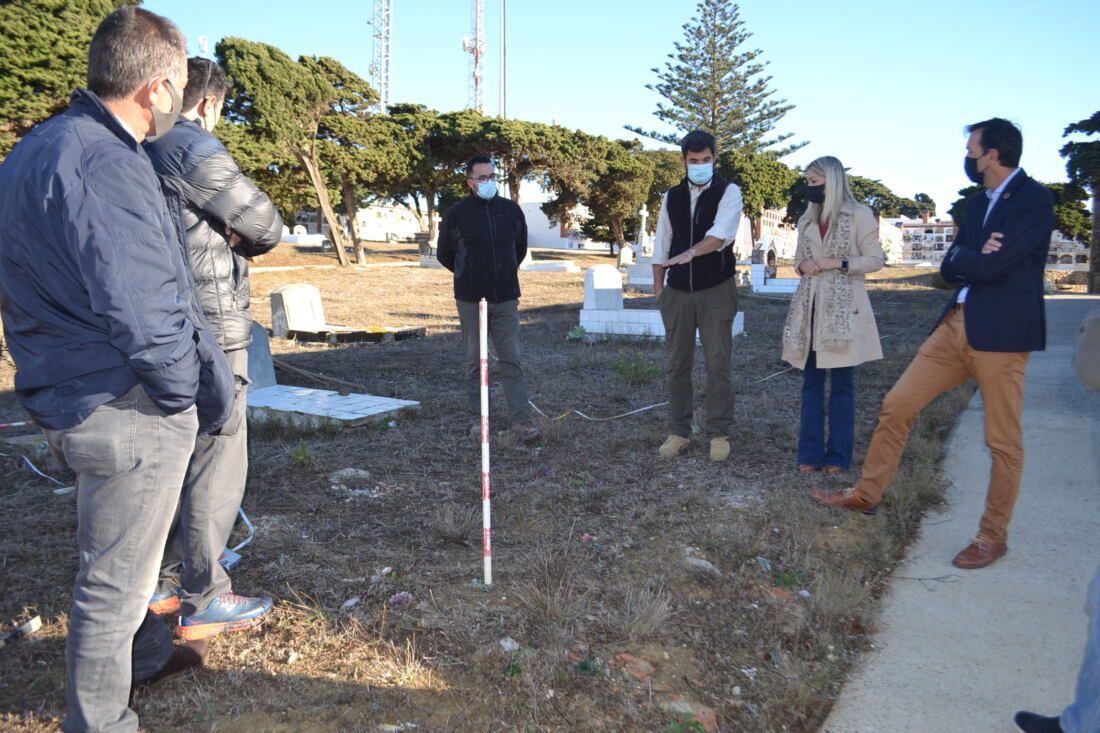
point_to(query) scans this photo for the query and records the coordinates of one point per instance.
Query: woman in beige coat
(830, 327)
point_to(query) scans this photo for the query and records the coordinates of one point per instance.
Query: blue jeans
(1083, 714)
(812, 448)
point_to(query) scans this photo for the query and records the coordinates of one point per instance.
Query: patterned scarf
(834, 290)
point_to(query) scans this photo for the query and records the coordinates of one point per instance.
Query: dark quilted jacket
(208, 195)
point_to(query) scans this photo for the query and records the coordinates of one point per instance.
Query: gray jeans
(504, 332)
(212, 493)
(130, 459)
(711, 311)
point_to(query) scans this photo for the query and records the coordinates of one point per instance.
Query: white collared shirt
(994, 196)
(726, 220)
(124, 126)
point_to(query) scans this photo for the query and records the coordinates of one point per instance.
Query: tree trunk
(513, 187)
(351, 205)
(426, 247)
(326, 206)
(1094, 250)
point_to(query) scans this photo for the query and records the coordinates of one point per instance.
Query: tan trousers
(945, 361)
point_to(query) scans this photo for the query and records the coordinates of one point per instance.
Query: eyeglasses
(482, 179)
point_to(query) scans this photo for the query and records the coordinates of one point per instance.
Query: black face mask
(816, 194)
(970, 165)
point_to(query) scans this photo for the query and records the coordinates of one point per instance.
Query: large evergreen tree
(713, 82)
(43, 58)
(1083, 167)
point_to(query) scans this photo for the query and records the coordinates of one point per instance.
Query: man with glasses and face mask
(115, 360)
(483, 240)
(224, 219)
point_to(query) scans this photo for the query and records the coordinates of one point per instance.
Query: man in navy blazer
(995, 319)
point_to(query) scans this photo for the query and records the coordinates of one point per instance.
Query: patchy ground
(631, 593)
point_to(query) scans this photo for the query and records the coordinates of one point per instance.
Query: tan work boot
(719, 448)
(673, 446)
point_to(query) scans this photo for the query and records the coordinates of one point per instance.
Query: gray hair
(130, 47)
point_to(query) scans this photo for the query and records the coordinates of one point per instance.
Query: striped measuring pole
(486, 494)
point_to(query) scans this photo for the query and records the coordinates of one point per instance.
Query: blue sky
(886, 87)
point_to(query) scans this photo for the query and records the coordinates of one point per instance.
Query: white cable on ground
(569, 412)
(251, 530)
(34, 468)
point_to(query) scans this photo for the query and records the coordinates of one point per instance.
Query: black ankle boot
(1032, 723)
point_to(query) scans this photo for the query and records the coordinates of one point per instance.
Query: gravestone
(626, 256)
(603, 311)
(305, 408)
(299, 230)
(261, 369)
(603, 288)
(296, 307)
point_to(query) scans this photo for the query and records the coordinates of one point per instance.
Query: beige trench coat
(866, 256)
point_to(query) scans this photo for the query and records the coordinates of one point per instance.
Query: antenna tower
(475, 46)
(383, 51)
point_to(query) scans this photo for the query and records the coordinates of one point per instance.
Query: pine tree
(713, 83)
(43, 58)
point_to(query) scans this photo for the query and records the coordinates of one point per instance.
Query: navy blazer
(1004, 308)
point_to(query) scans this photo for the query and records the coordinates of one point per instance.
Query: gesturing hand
(993, 244)
(681, 259)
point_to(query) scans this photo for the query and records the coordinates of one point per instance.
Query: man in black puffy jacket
(483, 240)
(224, 219)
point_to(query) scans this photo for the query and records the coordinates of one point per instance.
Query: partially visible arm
(662, 240)
(947, 268)
(1021, 233)
(131, 271)
(220, 189)
(866, 255)
(521, 236)
(444, 248)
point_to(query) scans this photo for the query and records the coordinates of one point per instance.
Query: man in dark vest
(693, 268)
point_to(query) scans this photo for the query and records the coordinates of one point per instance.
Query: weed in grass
(555, 594)
(687, 725)
(645, 612)
(454, 523)
(302, 455)
(636, 370)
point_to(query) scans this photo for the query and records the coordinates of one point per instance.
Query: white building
(1067, 254)
(783, 236)
(564, 235)
(387, 223)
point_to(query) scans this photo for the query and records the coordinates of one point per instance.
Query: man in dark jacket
(483, 240)
(224, 219)
(987, 331)
(114, 358)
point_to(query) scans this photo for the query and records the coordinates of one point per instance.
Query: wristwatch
(844, 265)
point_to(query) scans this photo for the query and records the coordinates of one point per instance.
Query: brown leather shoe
(979, 554)
(846, 499)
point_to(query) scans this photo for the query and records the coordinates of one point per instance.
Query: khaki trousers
(711, 312)
(945, 361)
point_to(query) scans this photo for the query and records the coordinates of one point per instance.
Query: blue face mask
(700, 173)
(487, 190)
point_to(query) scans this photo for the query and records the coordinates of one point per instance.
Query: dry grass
(591, 529)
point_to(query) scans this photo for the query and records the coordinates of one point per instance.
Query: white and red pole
(486, 495)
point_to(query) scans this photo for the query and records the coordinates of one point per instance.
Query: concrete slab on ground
(964, 650)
